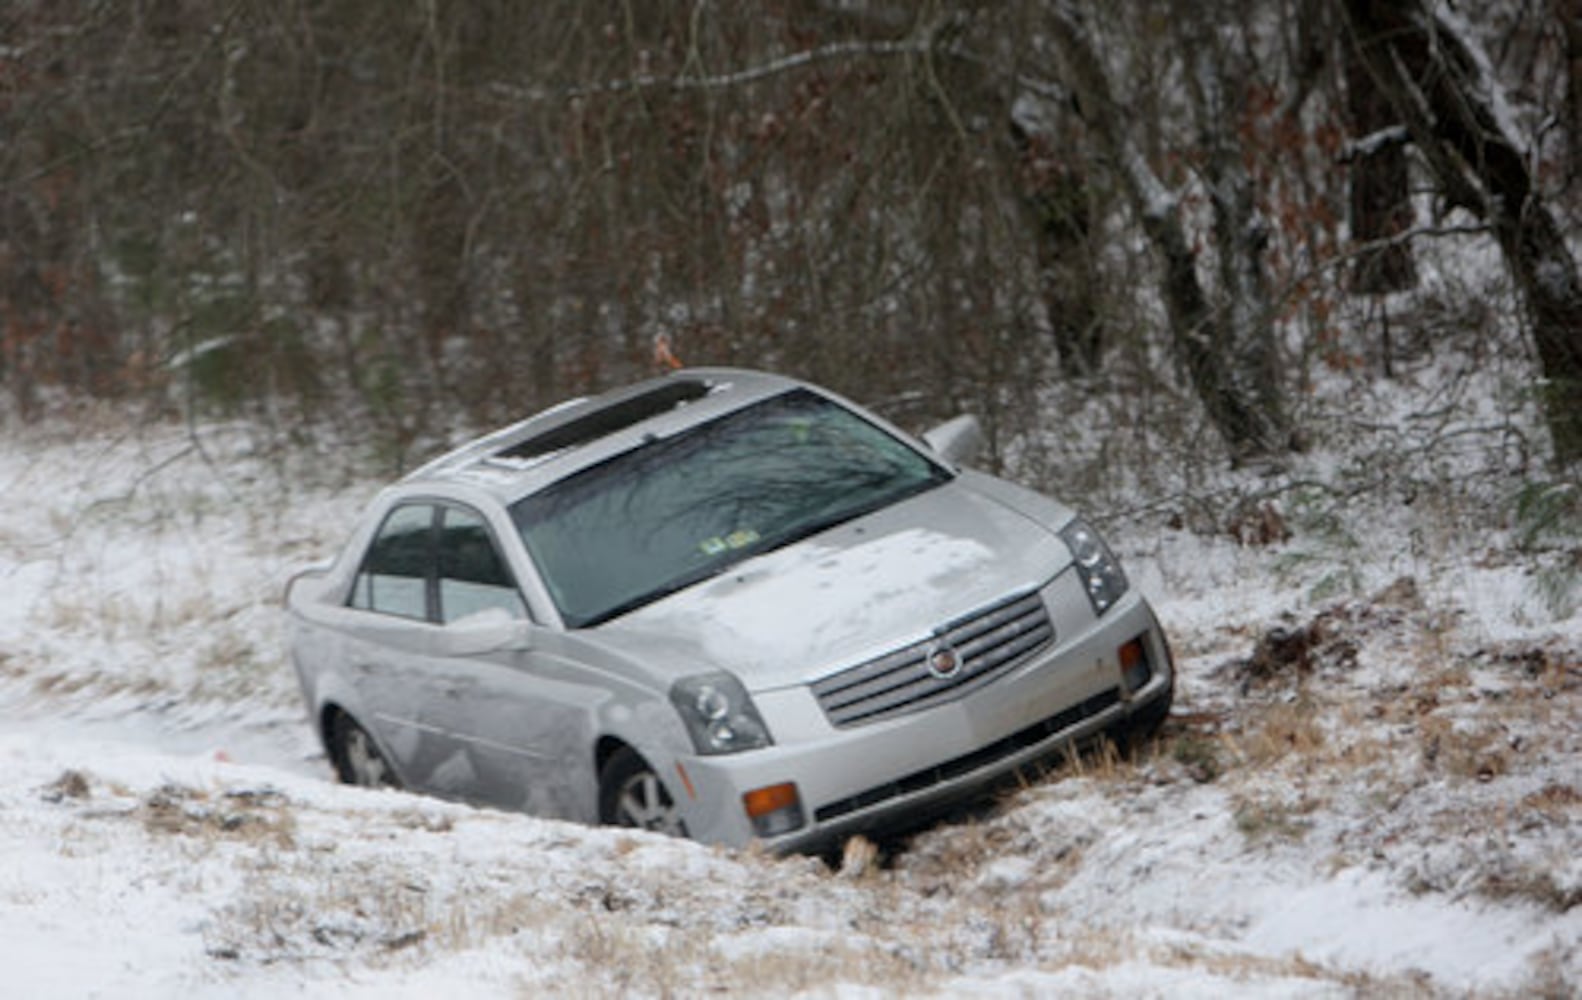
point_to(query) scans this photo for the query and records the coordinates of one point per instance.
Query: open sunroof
(619, 414)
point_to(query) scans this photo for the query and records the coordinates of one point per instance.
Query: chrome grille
(986, 643)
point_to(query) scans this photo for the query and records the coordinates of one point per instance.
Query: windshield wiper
(840, 516)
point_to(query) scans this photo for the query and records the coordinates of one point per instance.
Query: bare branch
(1373, 142)
(718, 81)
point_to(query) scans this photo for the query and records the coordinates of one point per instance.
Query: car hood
(853, 592)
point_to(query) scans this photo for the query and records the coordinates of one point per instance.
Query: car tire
(631, 795)
(1146, 721)
(356, 757)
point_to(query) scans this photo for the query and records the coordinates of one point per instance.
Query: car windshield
(674, 511)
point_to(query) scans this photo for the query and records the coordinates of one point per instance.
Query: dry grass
(72, 784)
(105, 616)
(1285, 729)
(1548, 979)
(1353, 744)
(620, 957)
(1537, 884)
(188, 648)
(782, 973)
(272, 921)
(1246, 967)
(1203, 754)
(602, 957)
(1100, 759)
(1478, 750)
(1555, 803)
(229, 668)
(955, 860)
(473, 924)
(256, 817)
(66, 685)
(1266, 819)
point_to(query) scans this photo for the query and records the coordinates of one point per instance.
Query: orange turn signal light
(1131, 654)
(763, 801)
(1135, 668)
(774, 809)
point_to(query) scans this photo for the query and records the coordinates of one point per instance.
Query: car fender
(1043, 510)
(325, 682)
(636, 709)
(333, 690)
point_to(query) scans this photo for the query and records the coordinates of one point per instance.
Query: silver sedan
(721, 604)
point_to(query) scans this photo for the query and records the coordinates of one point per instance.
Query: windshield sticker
(735, 540)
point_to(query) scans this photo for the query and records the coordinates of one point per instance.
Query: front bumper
(895, 773)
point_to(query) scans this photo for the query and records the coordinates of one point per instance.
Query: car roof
(526, 456)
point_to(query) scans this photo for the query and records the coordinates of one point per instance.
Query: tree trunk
(1220, 79)
(1055, 196)
(1381, 205)
(1569, 14)
(1428, 67)
(1227, 353)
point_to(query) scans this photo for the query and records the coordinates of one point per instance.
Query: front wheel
(1145, 723)
(356, 757)
(631, 795)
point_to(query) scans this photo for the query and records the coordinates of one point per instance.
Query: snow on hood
(847, 594)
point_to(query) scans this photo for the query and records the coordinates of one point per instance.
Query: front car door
(525, 728)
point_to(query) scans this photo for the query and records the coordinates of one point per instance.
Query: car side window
(395, 572)
(473, 576)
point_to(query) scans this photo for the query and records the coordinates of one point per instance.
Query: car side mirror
(491, 630)
(958, 440)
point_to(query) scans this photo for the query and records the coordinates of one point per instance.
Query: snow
(1356, 920)
(1403, 815)
(1374, 142)
(1449, 20)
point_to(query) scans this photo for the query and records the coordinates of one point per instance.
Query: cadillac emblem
(942, 660)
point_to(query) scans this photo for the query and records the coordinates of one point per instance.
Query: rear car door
(391, 649)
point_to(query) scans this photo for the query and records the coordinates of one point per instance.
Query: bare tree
(1219, 75)
(407, 216)
(1379, 188)
(1060, 203)
(1568, 13)
(1227, 348)
(1437, 79)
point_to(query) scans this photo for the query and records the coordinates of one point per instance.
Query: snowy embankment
(1377, 791)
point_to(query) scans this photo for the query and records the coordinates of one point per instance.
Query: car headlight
(719, 714)
(1101, 573)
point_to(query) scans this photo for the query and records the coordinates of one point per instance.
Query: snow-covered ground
(1372, 784)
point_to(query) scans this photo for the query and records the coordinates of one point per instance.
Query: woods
(414, 217)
